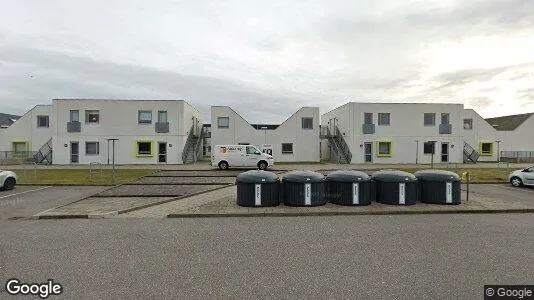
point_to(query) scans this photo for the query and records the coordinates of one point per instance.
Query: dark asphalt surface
(364, 257)
(24, 201)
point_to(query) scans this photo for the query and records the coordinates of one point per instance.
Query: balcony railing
(445, 128)
(162, 127)
(74, 126)
(368, 128)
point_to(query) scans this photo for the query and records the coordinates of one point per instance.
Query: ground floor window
(287, 148)
(428, 148)
(384, 148)
(144, 148)
(92, 148)
(486, 148)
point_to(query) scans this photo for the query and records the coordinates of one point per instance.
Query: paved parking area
(24, 201)
(156, 190)
(200, 180)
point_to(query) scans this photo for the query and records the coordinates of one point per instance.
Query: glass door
(368, 152)
(74, 152)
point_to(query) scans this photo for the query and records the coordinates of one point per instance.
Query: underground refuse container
(303, 188)
(257, 188)
(439, 186)
(349, 188)
(396, 187)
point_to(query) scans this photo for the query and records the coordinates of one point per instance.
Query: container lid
(257, 176)
(436, 175)
(393, 176)
(303, 177)
(348, 176)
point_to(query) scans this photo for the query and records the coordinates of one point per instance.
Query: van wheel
(223, 165)
(262, 165)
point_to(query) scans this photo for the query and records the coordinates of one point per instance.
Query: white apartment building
(79, 131)
(296, 139)
(397, 133)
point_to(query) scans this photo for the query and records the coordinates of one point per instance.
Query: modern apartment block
(396, 133)
(296, 139)
(81, 131)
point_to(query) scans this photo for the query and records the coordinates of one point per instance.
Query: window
(368, 118)
(252, 150)
(430, 119)
(144, 148)
(383, 119)
(428, 148)
(162, 116)
(243, 144)
(307, 123)
(92, 148)
(223, 122)
(92, 116)
(42, 121)
(445, 118)
(20, 147)
(468, 124)
(75, 116)
(486, 148)
(144, 116)
(384, 149)
(287, 148)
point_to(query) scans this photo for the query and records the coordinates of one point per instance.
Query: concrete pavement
(365, 257)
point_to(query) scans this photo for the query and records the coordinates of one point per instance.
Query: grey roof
(508, 123)
(7, 119)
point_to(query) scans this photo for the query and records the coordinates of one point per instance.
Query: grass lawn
(79, 176)
(477, 174)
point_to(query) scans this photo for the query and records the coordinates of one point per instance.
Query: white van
(224, 156)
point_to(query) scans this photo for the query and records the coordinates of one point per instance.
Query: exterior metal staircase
(338, 144)
(44, 155)
(470, 154)
(193, 145)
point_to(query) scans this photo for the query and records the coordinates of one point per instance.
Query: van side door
(252, 156)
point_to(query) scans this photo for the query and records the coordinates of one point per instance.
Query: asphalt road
(402, 256)
(503, 191)
(24, 201)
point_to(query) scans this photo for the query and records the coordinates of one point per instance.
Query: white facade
(26, 134)
(299, 134)
(132, 122)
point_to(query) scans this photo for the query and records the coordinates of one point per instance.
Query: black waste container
(257, 188)
(349, 188)
(303, 188)
(439, 186)
(396, 187)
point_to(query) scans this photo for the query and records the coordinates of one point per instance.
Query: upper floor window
(430, 119)
(384, 119)
(445, 118)
(368, 118)
(307, 123)
(75, 116)
(144, 116)
(92, 116)
(468, 124)
(223, 122)
(43, 121)
(162, 116)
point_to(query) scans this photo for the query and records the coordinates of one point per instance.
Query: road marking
(6, 196)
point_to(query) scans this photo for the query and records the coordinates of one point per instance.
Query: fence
(16, 157)
(517, 156)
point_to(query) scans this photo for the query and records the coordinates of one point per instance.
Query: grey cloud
(481, 102)
(36, 76)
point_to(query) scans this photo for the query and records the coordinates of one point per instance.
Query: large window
(468, 124)
(384, 148)
(368, 118)
(92, 116)
(92, 148)
(445, 118)
(144, 117)
(307, 123)
(162, 116)
(384, 119)
(252, 150)
(43, 121)
(75, 116)
(430, 119)
(287, 148)
(223, 122)
(428, 148)
(144, 148)
(486, 148)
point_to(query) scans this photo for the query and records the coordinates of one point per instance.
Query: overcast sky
(268, 58)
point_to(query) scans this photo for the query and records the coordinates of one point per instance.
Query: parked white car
(225, 156)
(8, 180)
(522, 177)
